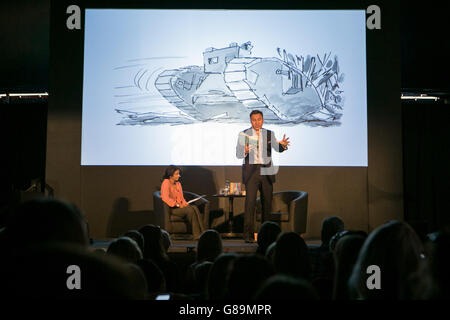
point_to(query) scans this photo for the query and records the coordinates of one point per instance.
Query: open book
(195, 199)
(243, 138)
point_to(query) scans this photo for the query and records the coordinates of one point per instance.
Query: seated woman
(172, 195)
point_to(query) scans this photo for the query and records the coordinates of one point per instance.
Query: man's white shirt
(257, 154)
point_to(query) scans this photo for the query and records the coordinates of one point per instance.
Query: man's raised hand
(285, 141)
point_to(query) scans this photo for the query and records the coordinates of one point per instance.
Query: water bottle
(227, 187)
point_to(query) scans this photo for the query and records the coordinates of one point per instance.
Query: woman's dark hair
(153, 243)
(330, 226)
(268, 233)
(46, 220)
(170, 171)
(125, 248)
(291, 256)
(397, 251)
(217, 283)
(345, 254)
(433, 279)
(209, 246)
(136, 236)
(282, 287)
(154, 276)
(335, 239)
(248, 273)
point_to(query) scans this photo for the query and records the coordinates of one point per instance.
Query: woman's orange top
(172, 194)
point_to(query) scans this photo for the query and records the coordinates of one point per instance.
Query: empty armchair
(177, 225)
(289, 210)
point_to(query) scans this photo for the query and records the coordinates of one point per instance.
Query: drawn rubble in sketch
(289, 90)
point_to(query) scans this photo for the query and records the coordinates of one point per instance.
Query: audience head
(398, 252)
(291, 256)
(55, 266)
(268, 233)
(433, 280)
(334, 239)
(201, 273)
(330, 226)
(46, 220)
(440, 264)
(345, 253)
(247, 275)
(218, 276)
(209, 246)
(138, 281)
(136, 236)
(282, 287)
(270, 251)
(153, 243)
(167, 242)
(125, 248)
(156, 282)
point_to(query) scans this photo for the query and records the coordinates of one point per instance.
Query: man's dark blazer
(269, 141)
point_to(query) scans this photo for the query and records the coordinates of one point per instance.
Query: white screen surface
(154, 94)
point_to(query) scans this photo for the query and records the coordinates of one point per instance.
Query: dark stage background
(406, 177)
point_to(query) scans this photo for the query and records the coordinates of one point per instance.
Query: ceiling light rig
(418, 97)
(7, 98)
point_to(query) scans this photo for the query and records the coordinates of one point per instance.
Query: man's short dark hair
(256, 112)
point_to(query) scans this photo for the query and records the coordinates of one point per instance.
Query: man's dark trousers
(264, 185)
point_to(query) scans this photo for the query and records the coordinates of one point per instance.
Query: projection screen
(177, 86)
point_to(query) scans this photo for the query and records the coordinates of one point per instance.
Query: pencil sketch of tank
(288, 89)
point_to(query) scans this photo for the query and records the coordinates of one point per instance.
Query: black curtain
(426, 165)
(24, 125)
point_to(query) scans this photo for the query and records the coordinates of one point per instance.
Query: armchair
(289, 210)
(177, 225)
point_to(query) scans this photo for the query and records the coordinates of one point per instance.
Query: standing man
(255, 147)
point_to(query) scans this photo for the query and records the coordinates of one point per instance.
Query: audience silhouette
(167, 242)
(44, 220)
(156, 283)
(217, 281)
(267, 234)
(291, 256)
(126, 249)
(137, 265)
(209, 247)
(398, 252)
(201, 272)
(247, 276)
(136, 236)
(154, 250)
(440, 266)
(345, 254)
(322, 258)
(283, 287)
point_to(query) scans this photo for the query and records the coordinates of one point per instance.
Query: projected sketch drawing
(289, 90)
